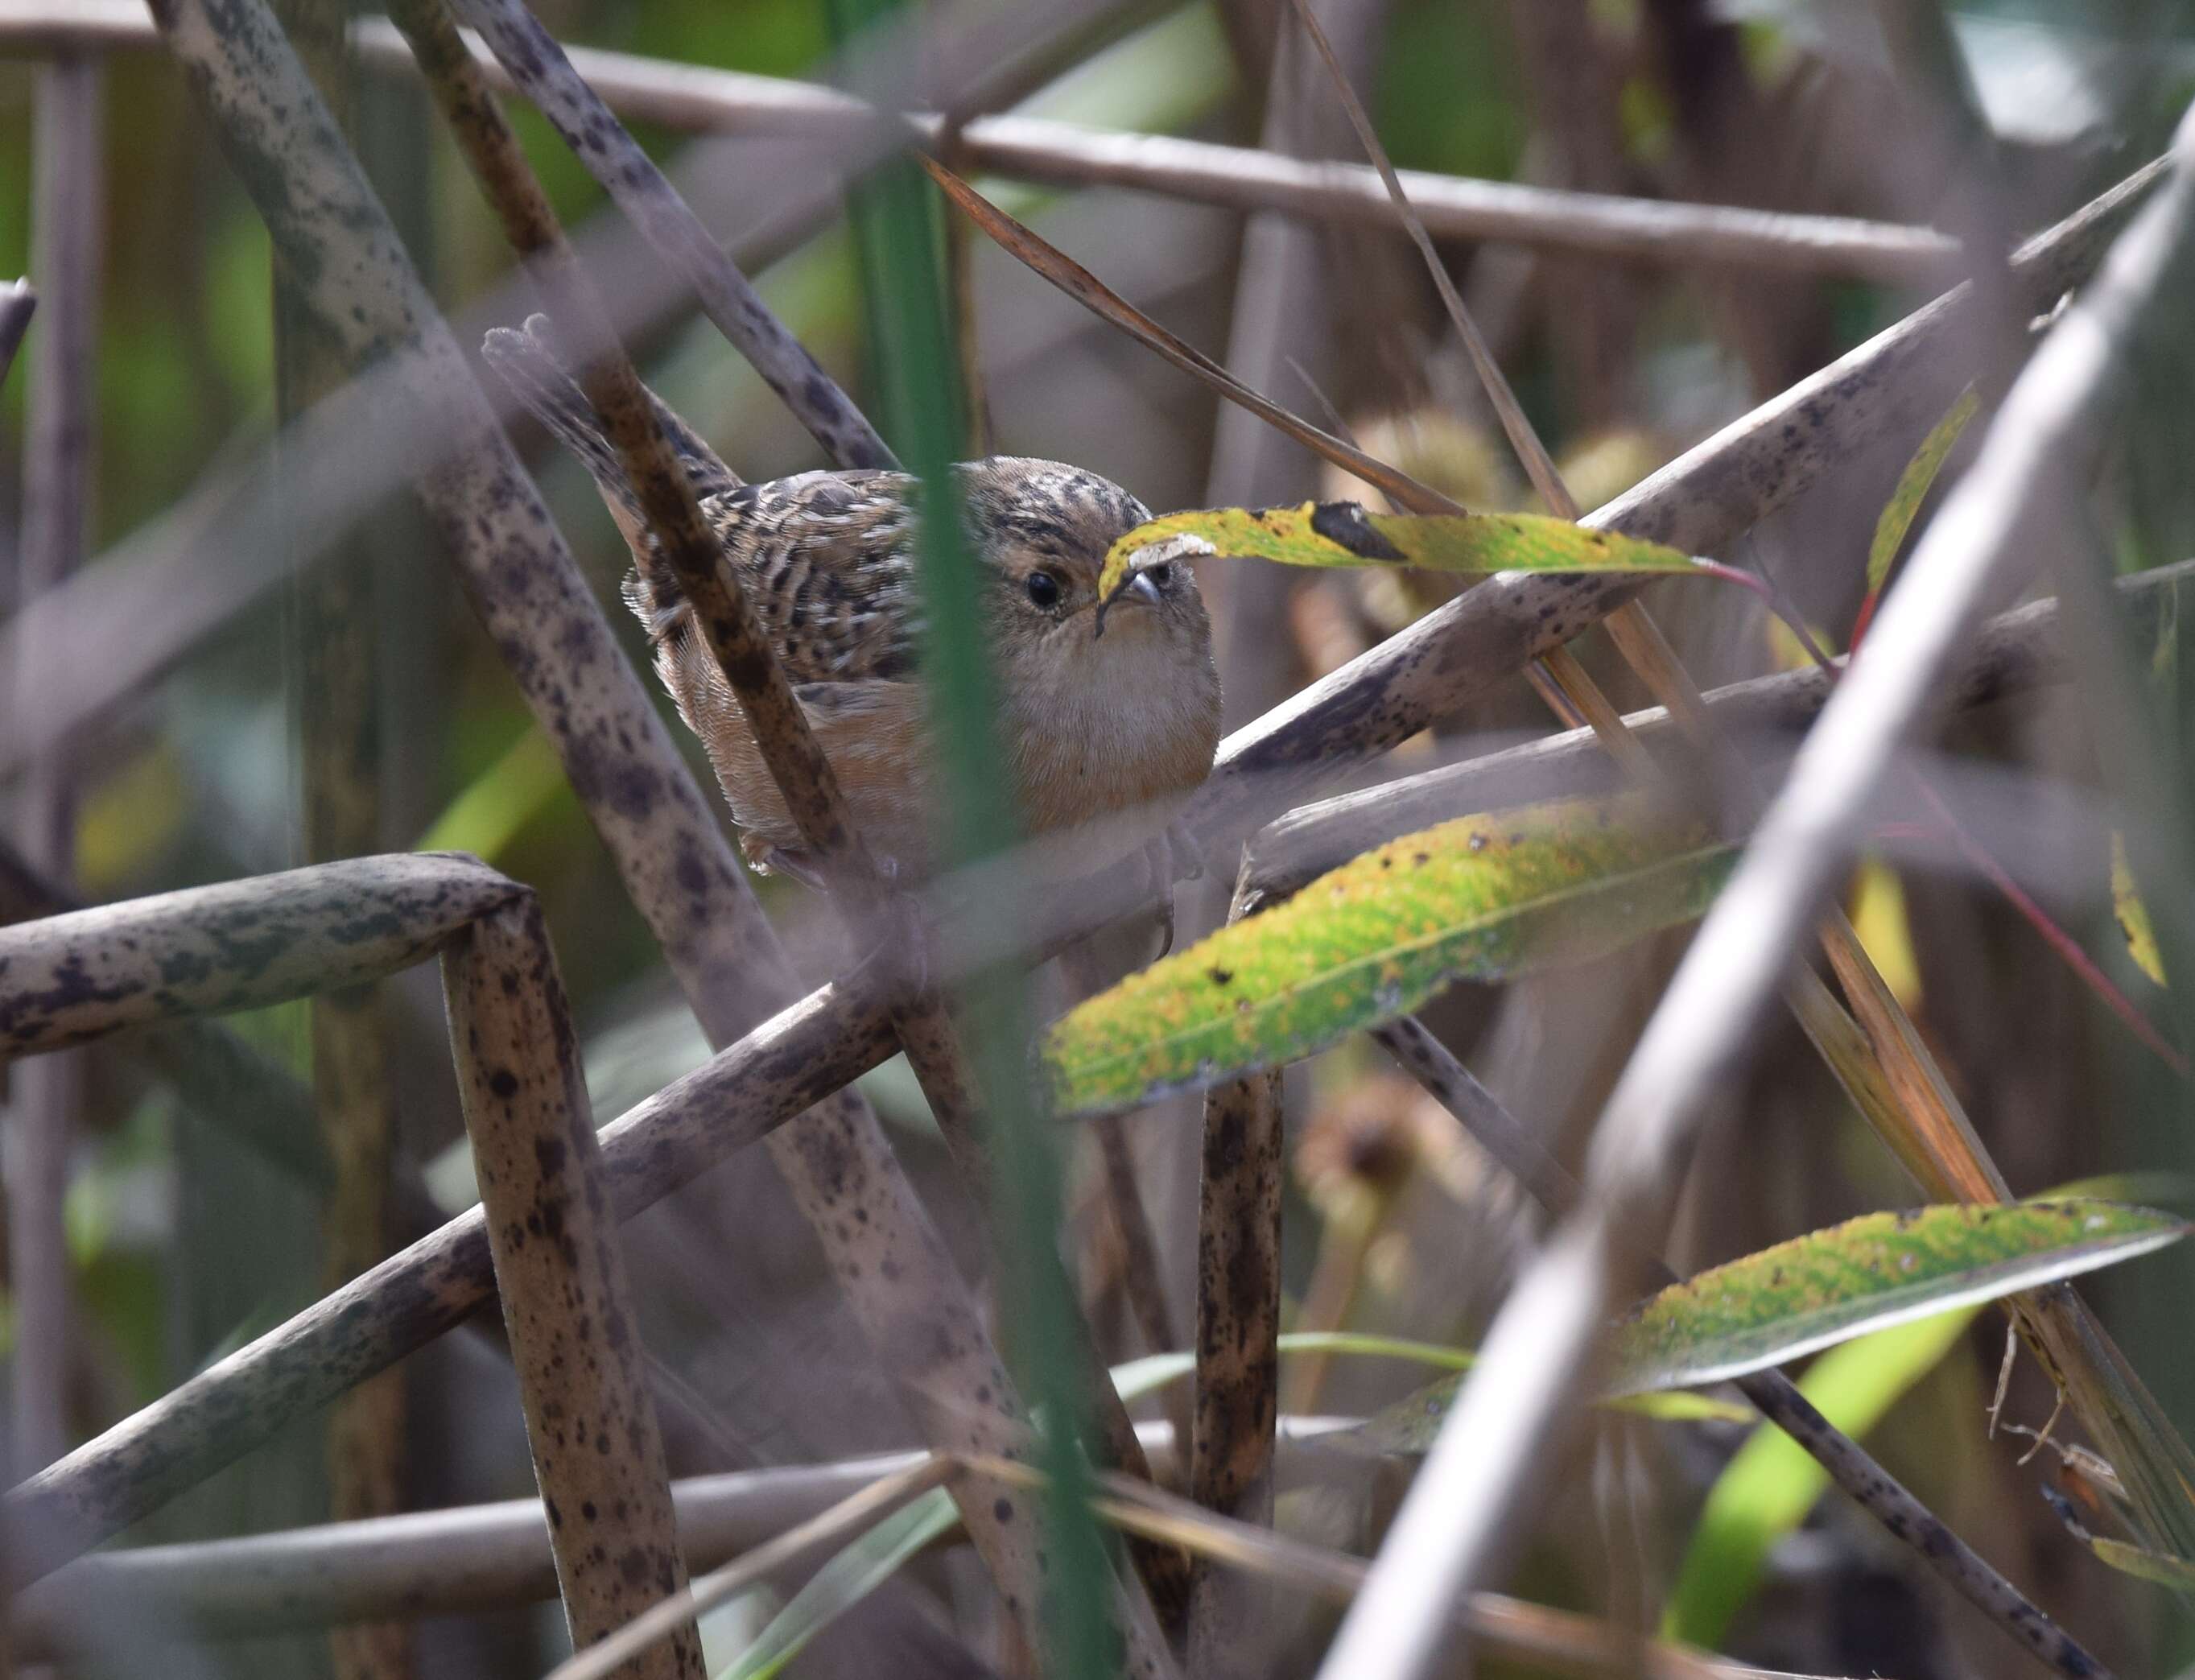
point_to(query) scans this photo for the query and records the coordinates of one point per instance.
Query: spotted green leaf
(1483, 897)
(2134, 915)
(1868, 1273)
(1343, 534)
(1913, 486)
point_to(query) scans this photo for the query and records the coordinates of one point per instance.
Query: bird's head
(1042, 529)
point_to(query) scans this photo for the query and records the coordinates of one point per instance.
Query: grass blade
(848, 1577)
(1767, 1490)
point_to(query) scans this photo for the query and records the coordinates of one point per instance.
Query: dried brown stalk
(1238, 1295)
(560, 1270)
(443, 1562)
(697, 99)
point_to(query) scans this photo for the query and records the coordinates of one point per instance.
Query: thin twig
(2018, 651)
(1101, 300)
(698, 98)
(850, 1515)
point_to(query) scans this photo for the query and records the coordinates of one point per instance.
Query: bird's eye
(1043, 590)
(1161, 574)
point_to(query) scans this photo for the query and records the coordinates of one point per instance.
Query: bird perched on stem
(1104, 735)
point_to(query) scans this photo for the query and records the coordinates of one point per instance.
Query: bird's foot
(1185, 858)
(776, 860)
(898, 956)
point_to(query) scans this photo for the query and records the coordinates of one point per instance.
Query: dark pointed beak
(1150, 565)
(1139, 587)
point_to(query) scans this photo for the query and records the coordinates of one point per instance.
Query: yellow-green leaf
(1344, 533)
(1866, 1274)
(1913, 486)
(2160, 1567)
(856, 1571)
(2134, 915)
(1878, 916)
(1483, 897)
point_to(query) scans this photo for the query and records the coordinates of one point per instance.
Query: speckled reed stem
(560, 1271)
(1238, 1326)
(240, 945)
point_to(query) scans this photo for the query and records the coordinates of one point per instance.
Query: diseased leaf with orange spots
(1343, 534)
(1866, 1274)
(1484, 898)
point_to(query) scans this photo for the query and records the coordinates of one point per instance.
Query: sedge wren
(1104, 735)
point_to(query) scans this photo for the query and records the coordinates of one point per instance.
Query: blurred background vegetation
(185, 1245)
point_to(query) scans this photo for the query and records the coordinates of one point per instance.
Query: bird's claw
(1185, 852)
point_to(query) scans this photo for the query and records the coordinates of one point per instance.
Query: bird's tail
(532, 364)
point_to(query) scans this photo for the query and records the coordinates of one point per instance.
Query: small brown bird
(1105, 736)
